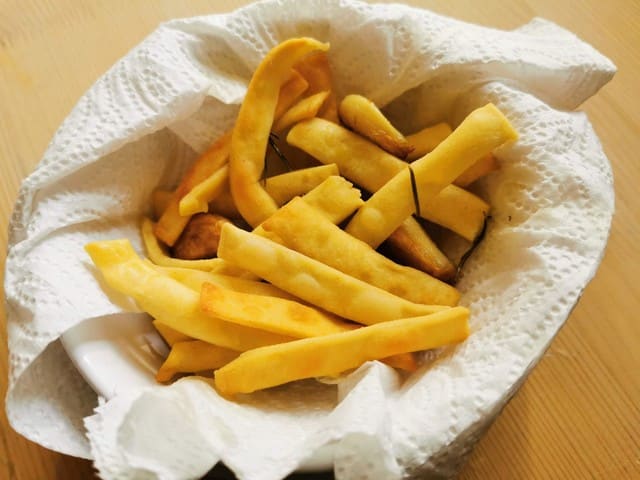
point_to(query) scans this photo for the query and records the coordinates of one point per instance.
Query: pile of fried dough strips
(268, 278)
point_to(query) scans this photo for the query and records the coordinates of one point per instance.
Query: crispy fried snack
(194, 356)
(272, 314)
(170, 335)
(482, 167)
(290, 91)
(316, 70)
(427, 139)
(335, 194)
(284, 187)
(470, 209)
(403, 361)
(168, 301)
(314, 282)
(371, 167)
(306, 108)
(199, 240)
(483, 130)
(363, 116)
(358, 159)
(332, 354)
(197, 200)
(335, 197)
(303, 229)
(253, 126)
(195, 279)
(410, 245)
(158, 255)
(171, 223)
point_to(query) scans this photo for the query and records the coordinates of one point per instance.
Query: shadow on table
(220, 472)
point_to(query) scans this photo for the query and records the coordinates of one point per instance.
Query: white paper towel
(169, 98)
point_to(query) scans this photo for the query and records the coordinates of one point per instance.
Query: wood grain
(577, 416)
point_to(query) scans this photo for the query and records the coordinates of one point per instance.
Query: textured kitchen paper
(169, 98)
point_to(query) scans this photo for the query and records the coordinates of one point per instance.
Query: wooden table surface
(578, 414)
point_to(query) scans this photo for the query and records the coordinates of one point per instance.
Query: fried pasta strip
(303, 229)
(335, 197)
(482, 167)
(158, 255)
(371, 167)
(172, 222)
(160, 199)
(272, 314)
(427, 139)
(482, 131)
(306, 108)
(170, 335)
(253, 126)
(315, 282)
(470, 209)
(316, 70)
(168, 301)
(198, 198)
(195, 279)
(194, 356)
(331, 355)
(290, 92)
(411, 245)
(285, 186)
(363, 116)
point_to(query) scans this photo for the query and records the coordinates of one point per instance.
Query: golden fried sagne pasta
(482, 131)
(371, 167)
(253, 127)
(302, 228)
(170, 335)
(335, 197)
(316, 70)
(199, 197)
(315, 282)
(195, 279)
(306, 108)
(411, 246)
(482, 167)
(199, 240)
(172, 222)
(363, 116)
(427, 139)
(157, 253)
(331, 355)
(308, 293)
(272, 314)
(160, 199)
(167, 300)
(194, 356)
(285, 186)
